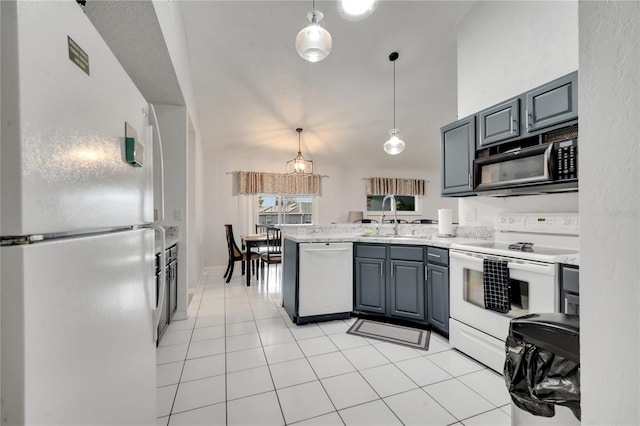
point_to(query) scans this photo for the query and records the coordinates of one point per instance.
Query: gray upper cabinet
(499, 123)
(457, 151)
(553, 103)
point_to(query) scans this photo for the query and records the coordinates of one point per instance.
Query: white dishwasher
(325, 281)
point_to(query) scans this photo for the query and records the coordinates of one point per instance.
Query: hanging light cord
(394, 94)
(392, 57)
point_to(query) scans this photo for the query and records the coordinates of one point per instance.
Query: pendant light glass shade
(356, 10)
(298, 165)
(313, 42)
(394, 145)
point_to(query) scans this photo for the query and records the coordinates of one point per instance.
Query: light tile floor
(239, 360)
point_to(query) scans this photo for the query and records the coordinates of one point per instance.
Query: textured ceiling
(131, 30)
(252, 90)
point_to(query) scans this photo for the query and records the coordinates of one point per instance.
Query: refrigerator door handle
(156, 127)
(163, 280)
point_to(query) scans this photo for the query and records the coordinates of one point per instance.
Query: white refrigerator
(78, 295)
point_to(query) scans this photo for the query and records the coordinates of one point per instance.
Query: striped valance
(275, 183)
(395, 186)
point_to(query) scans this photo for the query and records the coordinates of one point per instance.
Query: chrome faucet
(393, 209)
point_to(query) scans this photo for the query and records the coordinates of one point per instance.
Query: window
(284, 209)
(406, 203)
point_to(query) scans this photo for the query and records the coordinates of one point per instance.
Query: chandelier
(299, 166)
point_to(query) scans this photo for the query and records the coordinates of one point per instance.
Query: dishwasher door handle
(325, 249)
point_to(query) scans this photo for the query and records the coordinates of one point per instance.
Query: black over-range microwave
(549, 167)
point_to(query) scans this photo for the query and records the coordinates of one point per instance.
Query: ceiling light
(394, 145)
(313, 42)
(299, 166)
(356, 10)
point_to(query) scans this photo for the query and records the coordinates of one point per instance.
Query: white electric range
(537, 242)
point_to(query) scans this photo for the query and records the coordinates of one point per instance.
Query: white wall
(343, 190)
(508, 47)
(171, 22)
(173, 125)
(505, 49)
(543, 44)
(609, 103)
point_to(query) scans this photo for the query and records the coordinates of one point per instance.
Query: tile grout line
(257, 303)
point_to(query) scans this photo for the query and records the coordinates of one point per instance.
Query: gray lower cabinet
(438, 288)
(457, 152)
(404, 282)
(406, 288)
(370, 285)
(290, 278)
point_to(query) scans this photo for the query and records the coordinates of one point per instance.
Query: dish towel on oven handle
(496, 285)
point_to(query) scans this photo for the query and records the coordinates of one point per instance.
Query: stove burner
(521, 246)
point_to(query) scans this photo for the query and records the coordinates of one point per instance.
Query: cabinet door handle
(391, 268)
(529, 120)
(566, 305)
(426, 273)
(381, 270)
(434, 255)
(514, 124)
(469, 182)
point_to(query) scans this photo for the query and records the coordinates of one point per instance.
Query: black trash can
(542, 369)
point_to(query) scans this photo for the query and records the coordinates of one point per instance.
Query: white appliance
(533, 279)
(78, 292)
(326, 280)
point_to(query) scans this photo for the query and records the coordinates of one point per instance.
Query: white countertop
(425, 240)
(569, 259)
(381, 239)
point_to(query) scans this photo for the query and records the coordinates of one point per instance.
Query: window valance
(275, 183)
(395, 186)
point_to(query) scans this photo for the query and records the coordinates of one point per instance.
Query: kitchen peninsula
(371, 271)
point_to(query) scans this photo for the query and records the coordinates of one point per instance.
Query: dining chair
(235, 254)
(273, 254)
(393, 221)
(427, 221)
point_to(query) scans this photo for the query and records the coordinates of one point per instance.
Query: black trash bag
(538, 379)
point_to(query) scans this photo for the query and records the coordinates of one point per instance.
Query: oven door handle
(532, 267)
(538, 268)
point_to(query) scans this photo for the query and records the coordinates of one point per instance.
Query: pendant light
(313, 42)
(356, 10)
(299, 166)
(394, 145)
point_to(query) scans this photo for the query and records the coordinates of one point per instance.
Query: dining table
(249, 242)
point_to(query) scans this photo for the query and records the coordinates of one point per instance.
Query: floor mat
(416, 338)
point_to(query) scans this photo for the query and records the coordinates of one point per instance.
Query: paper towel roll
(444, 222)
